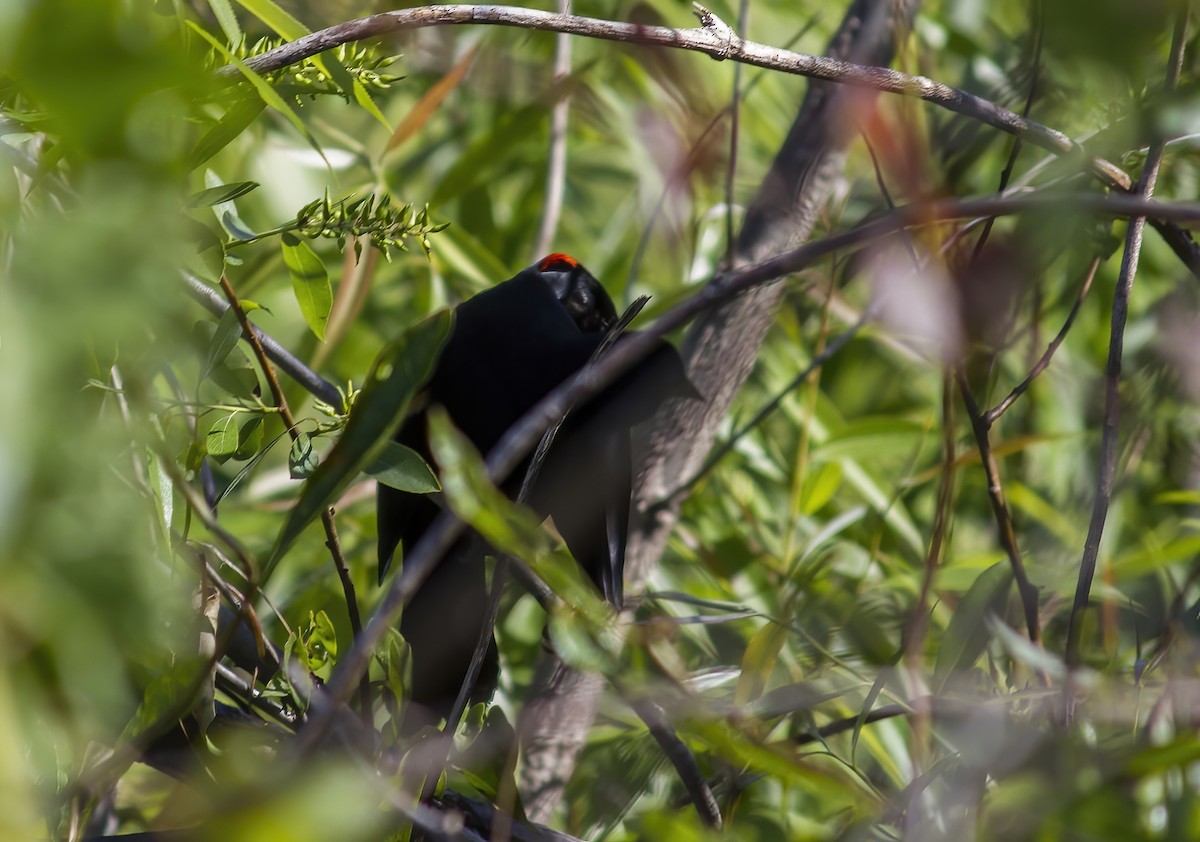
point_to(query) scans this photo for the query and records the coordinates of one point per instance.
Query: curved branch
(713, 38)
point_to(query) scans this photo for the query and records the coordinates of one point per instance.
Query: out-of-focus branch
(556, 163)
(1116, 343)
(720, 350)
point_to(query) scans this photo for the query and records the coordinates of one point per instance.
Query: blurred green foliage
(784, 598)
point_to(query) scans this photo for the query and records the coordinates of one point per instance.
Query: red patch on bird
(557, 263)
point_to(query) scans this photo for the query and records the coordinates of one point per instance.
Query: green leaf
(222, 439)
(399, 371)
(224, 340)
(221, 193)
(226, 211)
(223, 12)
(239, 115)
(316, 646)
(820, 486)
(310, 282)
(284, 24)
(967, 635)
(250, 435)
(1024, 651)
(166, 696)
(275, 17)
(264, 89)
(392, 664)
(363, 97)
(758, 662)
(302, 459)
(403, 469)
(507, 526)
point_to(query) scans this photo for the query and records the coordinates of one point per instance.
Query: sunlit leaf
(403, 468)
(310, 282)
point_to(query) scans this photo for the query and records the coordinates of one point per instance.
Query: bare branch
(556, 163)
(992, 415)
(1116, 343)
(714, 38)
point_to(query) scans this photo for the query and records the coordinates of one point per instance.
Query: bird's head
(578, 291)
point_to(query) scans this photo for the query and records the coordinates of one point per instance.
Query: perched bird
(511, 345)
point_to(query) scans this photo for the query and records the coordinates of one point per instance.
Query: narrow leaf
(401, 369)
(224, 340)
(310, 282)
(221, 193)
(967, 634)
(429, 102)
(240, 115)
(223, 12)
(226, 211)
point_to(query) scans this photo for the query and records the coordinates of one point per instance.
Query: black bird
(512, 345)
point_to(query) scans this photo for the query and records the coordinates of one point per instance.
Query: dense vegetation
(870, 619)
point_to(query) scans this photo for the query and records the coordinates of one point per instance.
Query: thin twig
(314, 383)
(1116, 343)
(556, 164)
(990, 417)
(1015, 151)
(681, 758)
(734, 109)
(914, 633)
(327, 521)
(1001, 513)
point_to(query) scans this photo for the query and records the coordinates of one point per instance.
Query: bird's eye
(557, 263)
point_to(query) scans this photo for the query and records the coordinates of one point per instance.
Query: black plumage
(511, 345)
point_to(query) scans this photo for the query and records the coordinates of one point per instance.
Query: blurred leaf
(236, 119)
(166, 698)
(1026, 652)
(399, 371)
(223, 12)
(504, 524)
(759, 662)
(967, 635)
(820, 486)
(310, 283)
(430, 101)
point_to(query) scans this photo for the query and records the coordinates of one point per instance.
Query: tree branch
(1116, 343)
